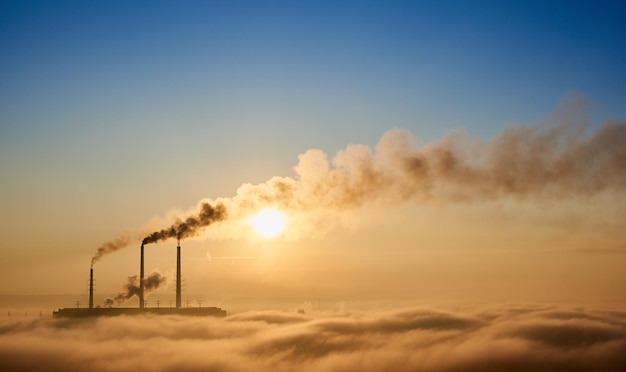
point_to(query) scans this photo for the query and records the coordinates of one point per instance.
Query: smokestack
(141, 288)
(178, 286)
(91, 288)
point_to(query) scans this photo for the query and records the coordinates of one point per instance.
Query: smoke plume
(191, 225)
(119, 242)
(563, 157)
(521, 162)
(131, 288)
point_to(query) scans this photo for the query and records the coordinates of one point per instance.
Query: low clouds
(512, 338)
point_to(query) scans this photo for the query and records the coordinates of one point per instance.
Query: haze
(449, 177)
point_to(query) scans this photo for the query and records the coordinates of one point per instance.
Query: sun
(268, 222)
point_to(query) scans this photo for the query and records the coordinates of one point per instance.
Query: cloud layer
(511, 338)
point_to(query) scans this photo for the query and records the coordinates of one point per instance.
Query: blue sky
(124, 109)
(357, 67)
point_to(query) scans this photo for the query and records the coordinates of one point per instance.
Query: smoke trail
(191, 226)
(521, 162)
(131, 288)
(562, 158)
(119, 242)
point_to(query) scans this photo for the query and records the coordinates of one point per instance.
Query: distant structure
(142, 302)
(113, 311)
(91, 288)
(178, 276)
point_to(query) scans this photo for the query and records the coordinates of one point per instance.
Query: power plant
(142, 309)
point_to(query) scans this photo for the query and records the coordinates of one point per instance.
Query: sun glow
(268, 222)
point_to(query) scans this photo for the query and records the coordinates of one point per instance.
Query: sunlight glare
(268, 222)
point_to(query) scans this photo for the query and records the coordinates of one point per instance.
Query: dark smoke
(191, 226)
(131, 288)
(118, 243)
(564, 157)
(524, 162)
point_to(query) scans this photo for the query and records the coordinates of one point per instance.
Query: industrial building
(113, 311)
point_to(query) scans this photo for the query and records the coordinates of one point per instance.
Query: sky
(361, 185)
(121, 116)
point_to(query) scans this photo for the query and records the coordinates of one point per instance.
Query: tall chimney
(178, 286)
(141, 298)
(91, 288)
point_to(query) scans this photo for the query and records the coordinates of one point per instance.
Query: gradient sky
(112, 113)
